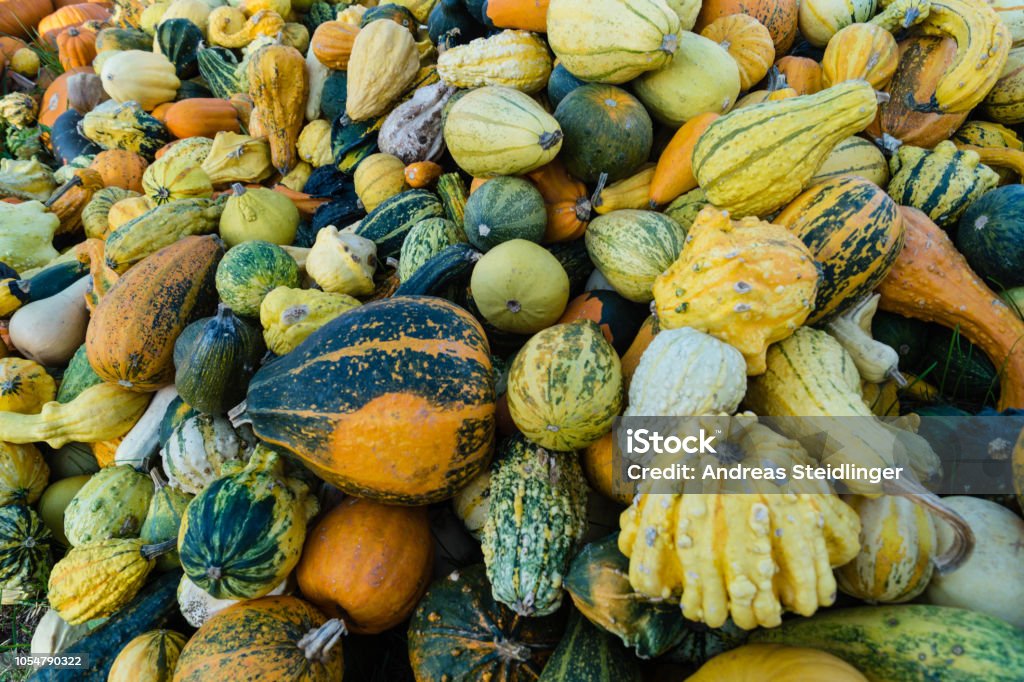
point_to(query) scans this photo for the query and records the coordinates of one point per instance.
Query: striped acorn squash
(23, 474)
(214, 358)
(130, 339)
(854, 156)
(590, 653)
(277, 638)
(865, 51)
(535, 520)
(499, 131)
(579, 408)
(987, 237)
(219, 69)
(897, 545)
(389, 223)
(158, 227)
(504, 208)
(940, 182)
(250, 271)
(198, 449)
(609, 41)
(243, 534)
(24, 554)
(607, 130)
(426, 239)
(632, 247)
(460, 632)
(179, 40)
(819, 20)
(599, 586)
(163, 519)
(112, 504)
(854, 231)
(742, 163)
(150, 656)
(379, 368)
(910, 642)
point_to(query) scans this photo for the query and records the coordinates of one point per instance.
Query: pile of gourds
(307, 303)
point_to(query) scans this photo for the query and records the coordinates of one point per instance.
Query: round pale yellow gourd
(518, 286)
(258, 213)
(144, 77)
(702, 77)
(314, 143)
(379, 177)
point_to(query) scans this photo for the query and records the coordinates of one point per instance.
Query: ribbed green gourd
(250, 271)
(502, 209)
(243, 534)
(425, 240)
(388, 224)
(589, 654)
(536, 519)
(214, 359)
(163, 520)
(179, 41)
(219, 68)
(632, 247)
(598, 582)
(24, 553)
(112, 504)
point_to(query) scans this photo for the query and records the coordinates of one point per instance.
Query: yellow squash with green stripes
(754, 160)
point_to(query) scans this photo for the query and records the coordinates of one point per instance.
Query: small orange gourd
(76, 46)
(747, 41)
(674, 173)
(802, 73)
(201, 117)
(568, 205)
(332, 44)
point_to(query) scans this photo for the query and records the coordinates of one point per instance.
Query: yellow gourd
(237, 158)
(383, 64)
(258, 213)
(24, 386)
(314, 144)
(290, 315)
(379, 177)
(171, 178)
(514, 59)
(342, 262)
(778, 663)
(229, 27)
(278, 85)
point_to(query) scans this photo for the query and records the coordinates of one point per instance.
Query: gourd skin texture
(756, 662)
(342, 262)
(941, 182)
(746, 282)
(578, 408)
(685, 372)
(351, 425)
(607, 41)
(96, 580)
(278, 85)
(384, 63)
(25, 545)
(26, 235)
(158, 227)
(151, 656)
(632, 248)
(854, 156)
(897, 545)
(243, 534)
(515, 59)
(743, 167)
(199, 450)
(290, 315)
(23, 474)
(258, 213)
(112, 504)
(535, 521)
(24, 386)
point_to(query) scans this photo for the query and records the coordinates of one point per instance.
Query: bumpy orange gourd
(747, 282)
(278, 85)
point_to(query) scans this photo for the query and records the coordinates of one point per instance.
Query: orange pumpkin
(674, 173)
(120, 168)
(274, 638)
(68, 206)
(9, 44)
(332, 43)
(201, 117)
(71, 15)
(778, 16)
(76, 46)
(527, 15)
(55, 98)
(599, 468)
(367, 563)
(923, 61)
(747, 41)
(568, 205)
(19, 18)
(802, 74)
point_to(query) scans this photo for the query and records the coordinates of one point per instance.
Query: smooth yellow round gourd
(778, 663)
(702, 77)
(258, 213)
(55, 500)
(518, 286)
(379, 177)
(152, 656)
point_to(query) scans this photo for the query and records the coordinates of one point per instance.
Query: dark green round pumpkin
(561, 83)
(250, 271)
(451, 24)
(393, 400)
(991, 236)
(24, 554)
(179, 41)
(599, 586)
(504, 208)
(618, 317)
(607, 130)
(459, 633)
(396, 13)
(905, 335)
(214, 359)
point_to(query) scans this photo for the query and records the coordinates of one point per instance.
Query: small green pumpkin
(163, 519)
(535, 520)
(112, 504)
(502, 209)
(214, 359)
(179, 41)
(250, 271)
(24, 554)
(243, 534)
(632, 247)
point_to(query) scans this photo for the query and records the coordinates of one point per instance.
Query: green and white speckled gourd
(197, 451)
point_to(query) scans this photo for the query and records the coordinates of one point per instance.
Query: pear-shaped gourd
(258, 213)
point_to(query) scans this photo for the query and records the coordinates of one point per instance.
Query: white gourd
(197, 451)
